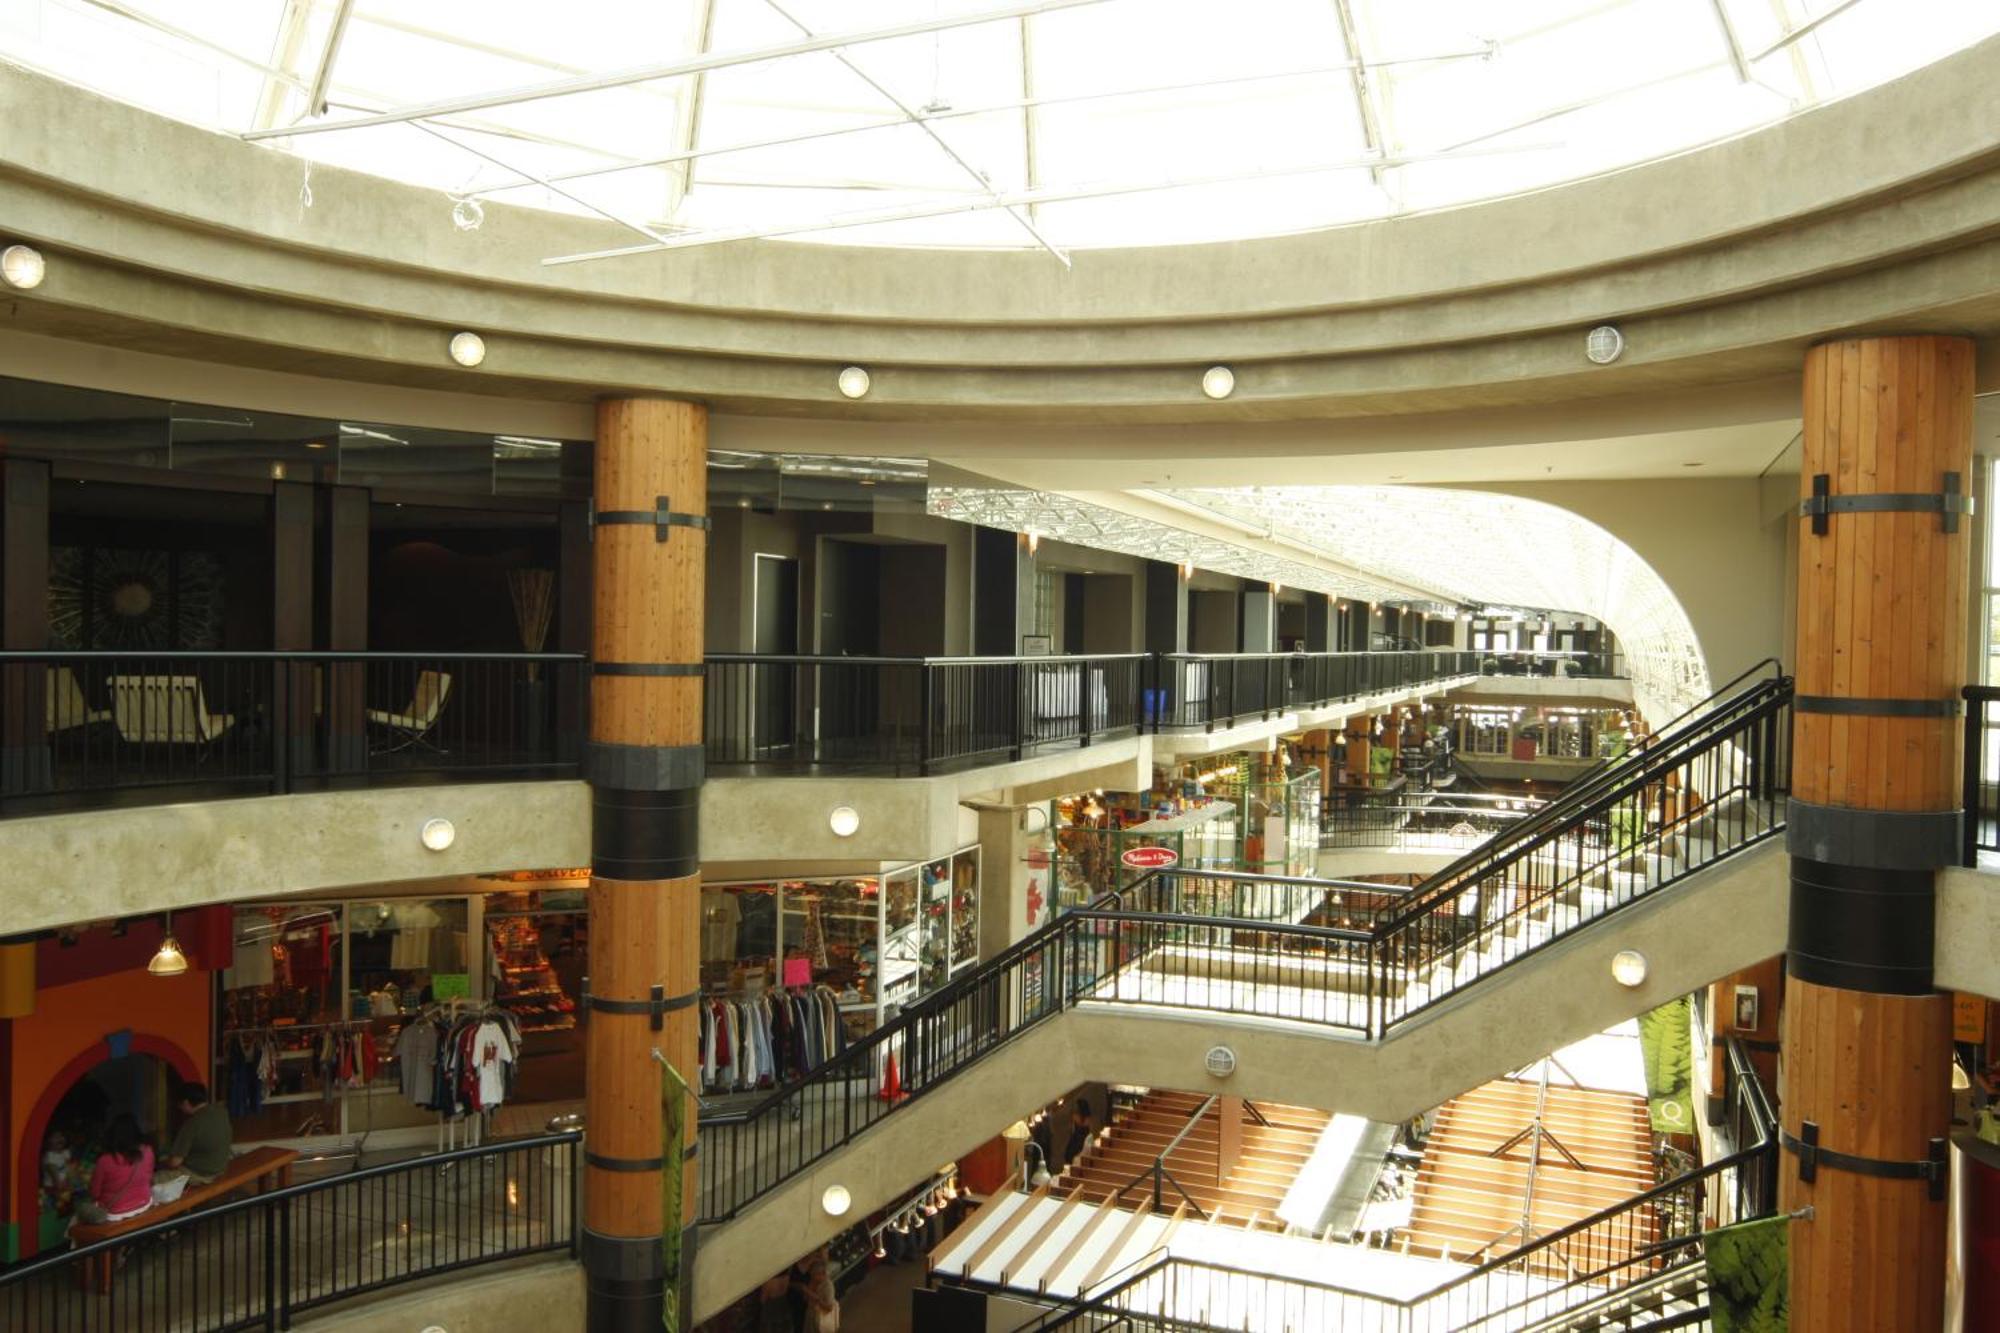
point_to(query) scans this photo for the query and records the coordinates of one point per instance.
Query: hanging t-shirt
(492, 1052)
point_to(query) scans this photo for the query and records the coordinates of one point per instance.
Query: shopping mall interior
(999, 665)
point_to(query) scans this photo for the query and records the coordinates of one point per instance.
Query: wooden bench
(266, 1168)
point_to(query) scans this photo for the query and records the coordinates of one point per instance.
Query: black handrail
(256, 1262)
(1655, 756)
(1480, 1298)
(1363, 974)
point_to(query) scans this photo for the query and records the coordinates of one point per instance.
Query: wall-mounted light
(1603, 344)
(1628, 968)
(853, 382)
(22, 266)
(168, 960)
(835, 1201)
(1218, 381)
(467, 348)
(1034, 540)
(438, 834)
(1277, 588)
(1220, 1062)
(844, 820)
(1187, 569)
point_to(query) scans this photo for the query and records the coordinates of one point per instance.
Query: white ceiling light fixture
(23, 267)
(1218, 382)
(1628, 968)
(438, 834)
(1220, 1061)
(467, 348)
(835, 1201)
(853, 382)
(844, 820)
(1604, 344)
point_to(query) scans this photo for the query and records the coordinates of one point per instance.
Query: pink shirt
(120, 1186)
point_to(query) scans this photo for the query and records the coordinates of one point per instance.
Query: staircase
(1118, 1165)
(1469, 1195)
(1704, 790)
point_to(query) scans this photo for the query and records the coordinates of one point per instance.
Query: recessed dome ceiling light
(1218, 381)
(468, 349)
(22, 266)
(854, 382)
(1604, 344)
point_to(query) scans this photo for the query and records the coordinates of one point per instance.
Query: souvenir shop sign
(451, 986)
(1150, 858)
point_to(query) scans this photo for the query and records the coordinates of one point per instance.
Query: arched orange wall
(167, 1017)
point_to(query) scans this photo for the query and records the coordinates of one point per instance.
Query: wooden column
(1883, 569)
(644, 761)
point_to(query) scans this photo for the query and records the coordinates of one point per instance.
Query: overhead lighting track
(536, 92)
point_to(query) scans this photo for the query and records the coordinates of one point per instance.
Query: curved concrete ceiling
(1720, 266)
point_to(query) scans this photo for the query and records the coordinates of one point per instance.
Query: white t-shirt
(492, 1053)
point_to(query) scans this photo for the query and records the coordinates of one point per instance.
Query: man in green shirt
(201, 1148)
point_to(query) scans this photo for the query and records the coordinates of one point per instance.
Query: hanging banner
(1746, 1276)
(1968, 1017)
(675, 1098)
(1667, 1045)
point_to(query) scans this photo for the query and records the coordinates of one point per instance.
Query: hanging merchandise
(458, 1060)
(762, 1040)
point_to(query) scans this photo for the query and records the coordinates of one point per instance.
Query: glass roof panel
(1069, 123)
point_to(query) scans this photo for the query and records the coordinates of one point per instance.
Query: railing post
(924, 749)
(281, 728)
(1083, 702)
(270, 1268)
(1975, 719)
(284, 1264)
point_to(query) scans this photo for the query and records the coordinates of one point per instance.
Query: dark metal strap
(1934, 1169)
(1845, 707)
(1948, 504)
(662, 518)
(648, 668)
(655, 1007)
(643, 767)
(631, 1165)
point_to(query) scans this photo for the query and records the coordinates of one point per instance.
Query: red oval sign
(1150, 858)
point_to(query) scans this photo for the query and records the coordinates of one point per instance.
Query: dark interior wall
(1212, 624)
(1108, 614)
(737, 537)
(1074, 614)
(1000, 565)
(203, 560)
(442, 588)
(1291, 625)
(1166, 617)
(850, 586)
(913, 589)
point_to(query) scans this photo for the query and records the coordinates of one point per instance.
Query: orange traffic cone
(892, 1081)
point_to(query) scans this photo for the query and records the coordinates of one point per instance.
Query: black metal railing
(1561, 664)
(923, 715)
(1636, 1242)
(1359, 958)
(1647, 823)
(1981, 828)
(1420, 820)
(83, 727)
(258, 1262)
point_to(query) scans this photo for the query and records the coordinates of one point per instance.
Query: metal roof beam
(910, 116)
(323, 75)
(670, 70)
(1025, 103)
(1013, 198)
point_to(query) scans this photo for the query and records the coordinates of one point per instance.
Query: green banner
(675, 1098)
(1746, 1277)
(1668, 1047)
